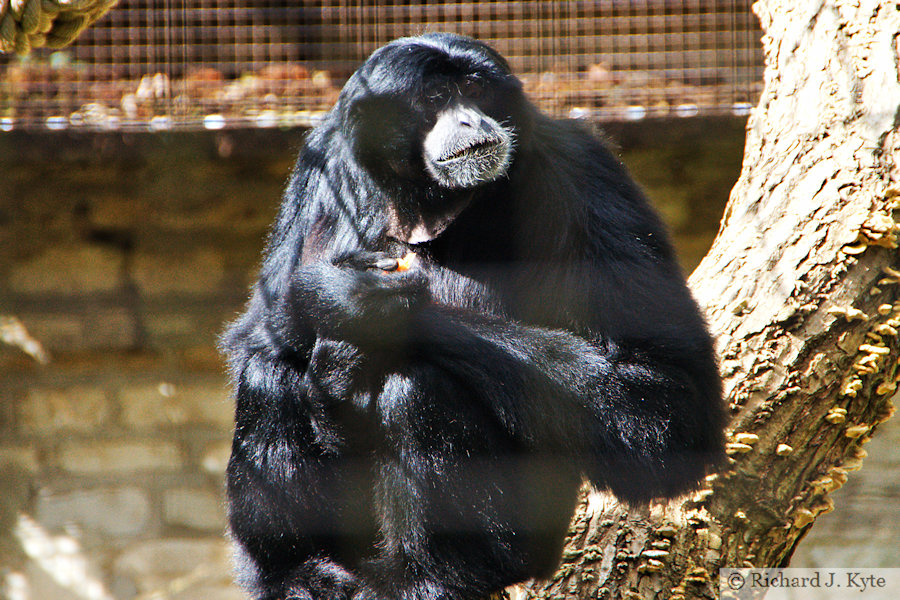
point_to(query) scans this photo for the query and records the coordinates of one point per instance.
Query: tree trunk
(801, 292)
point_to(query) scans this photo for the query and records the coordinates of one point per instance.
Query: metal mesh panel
(236, 63)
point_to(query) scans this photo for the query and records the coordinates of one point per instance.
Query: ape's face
(429, 112)
(466, 147)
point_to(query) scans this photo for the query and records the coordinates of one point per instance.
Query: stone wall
(124, 255)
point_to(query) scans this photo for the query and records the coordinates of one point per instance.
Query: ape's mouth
(460, 157)
(485, 147)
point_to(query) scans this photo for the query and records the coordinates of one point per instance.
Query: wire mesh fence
(161, 64)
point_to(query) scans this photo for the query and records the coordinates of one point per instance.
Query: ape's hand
(366, 298)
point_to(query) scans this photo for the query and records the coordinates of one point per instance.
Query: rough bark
(800, 289)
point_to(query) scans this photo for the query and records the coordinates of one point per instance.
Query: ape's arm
(640, 422)
(632, 394)
(296, 486)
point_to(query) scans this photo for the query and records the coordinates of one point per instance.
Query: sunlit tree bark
(800, 290)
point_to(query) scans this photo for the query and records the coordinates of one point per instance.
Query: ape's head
(439, 110)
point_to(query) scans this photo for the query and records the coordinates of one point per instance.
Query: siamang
(464, 308)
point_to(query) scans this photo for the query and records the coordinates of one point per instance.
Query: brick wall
(124, 257)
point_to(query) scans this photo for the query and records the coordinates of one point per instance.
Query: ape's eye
(472, 88)
(438, 97)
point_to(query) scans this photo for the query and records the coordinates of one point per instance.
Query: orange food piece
(405, 263)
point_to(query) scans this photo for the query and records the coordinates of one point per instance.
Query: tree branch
(800, 291)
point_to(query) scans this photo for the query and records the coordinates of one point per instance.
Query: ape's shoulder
(572, 144)
(572, 181)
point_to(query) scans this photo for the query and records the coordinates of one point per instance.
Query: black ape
(421, 433)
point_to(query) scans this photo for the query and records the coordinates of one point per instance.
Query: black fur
(423, 434)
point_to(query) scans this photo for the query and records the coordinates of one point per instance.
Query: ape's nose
(470, 117)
